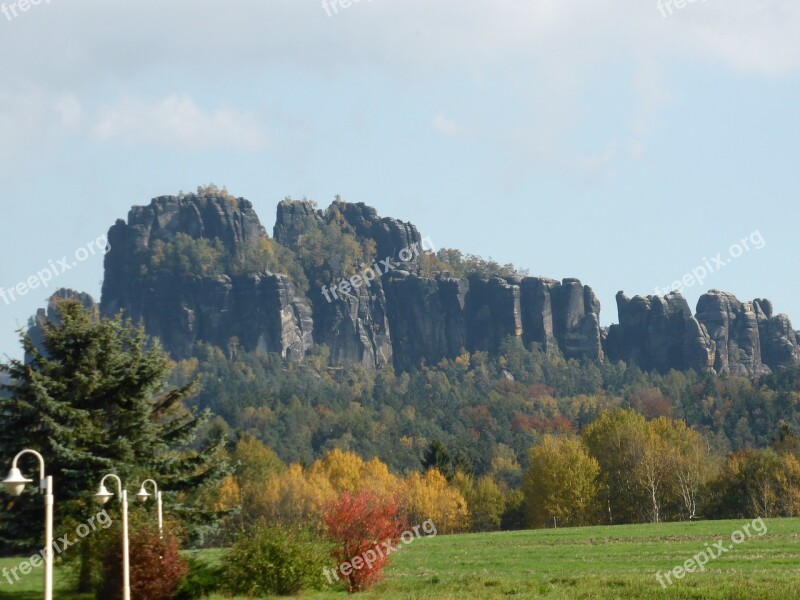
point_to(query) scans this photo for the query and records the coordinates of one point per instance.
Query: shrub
(201, 580)
(156, 566)
(357, 524)
(273, 560)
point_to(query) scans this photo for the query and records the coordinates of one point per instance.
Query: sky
(628, 143)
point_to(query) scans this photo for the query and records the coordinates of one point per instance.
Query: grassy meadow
(589, 562)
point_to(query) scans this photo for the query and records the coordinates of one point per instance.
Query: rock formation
(565, 314)
(263, 311)
(659, 334)
(492, 312)
(733, 326)
(426, 318)
(741, 338)
(292, 219)
(51, 314)
(399, 318)
(780, 344)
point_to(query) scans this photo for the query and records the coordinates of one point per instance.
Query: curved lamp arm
(142, 495)
(15, 482)
(36, 454)
(103, 495)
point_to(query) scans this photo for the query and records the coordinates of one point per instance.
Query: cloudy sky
(623, 142)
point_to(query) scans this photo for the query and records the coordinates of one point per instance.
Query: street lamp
(15, 484)
(143, 496)
(102, 496)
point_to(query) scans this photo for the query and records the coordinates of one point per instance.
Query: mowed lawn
(590, 562)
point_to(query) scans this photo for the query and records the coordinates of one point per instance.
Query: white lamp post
(102, 496)
(15, 484)
(143, 496)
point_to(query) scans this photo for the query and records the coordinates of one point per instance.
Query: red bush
(156, 567)
(360, 525)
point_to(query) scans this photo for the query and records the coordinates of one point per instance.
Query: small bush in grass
(272, 560)
(156, 566)
(357, 524)
(200, 581)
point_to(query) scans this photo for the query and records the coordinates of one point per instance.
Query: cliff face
(354, 325)
(733, 326)
(401, 318)
(292, 220)
(51, 314)
(426, 318)
(659, 334)
(432, 319)
(780, 344)
(741, 338)
(264, 311)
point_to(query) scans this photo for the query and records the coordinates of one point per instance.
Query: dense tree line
(490, 410)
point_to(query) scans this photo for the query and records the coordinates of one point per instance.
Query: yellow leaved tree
(430, 496)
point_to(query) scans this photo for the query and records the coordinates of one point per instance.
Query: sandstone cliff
(263, 311)
(741, 338)
(400, 318)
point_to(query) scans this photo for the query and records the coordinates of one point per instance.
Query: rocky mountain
(260, 310)
(51, 315)
(192, 269)
(741, 338)
(659, 334)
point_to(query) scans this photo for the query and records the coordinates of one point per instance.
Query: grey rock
(492, 310)
(51, 315)
(733, 325)
(780, 345)
(354, 326)
(565, 313)
(391, 236)
(263, 312)
(659, 334)
(292, 219)
(426, 318)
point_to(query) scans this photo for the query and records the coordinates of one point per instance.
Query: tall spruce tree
(90, 396)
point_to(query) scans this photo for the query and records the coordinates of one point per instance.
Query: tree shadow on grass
(20, 595)
(38, 596)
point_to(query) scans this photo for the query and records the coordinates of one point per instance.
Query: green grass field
(591, 562)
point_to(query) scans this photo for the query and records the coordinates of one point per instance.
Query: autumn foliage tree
(357, 524)
(430, 496)
(561, 482)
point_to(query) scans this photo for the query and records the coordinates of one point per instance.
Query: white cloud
(32, 125)
(120, 40)
(69, 110)
(447, 126)
(177, 121)
(545, 52)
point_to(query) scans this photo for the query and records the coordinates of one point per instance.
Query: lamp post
(102, 496)
(15, 484)
(143, 496)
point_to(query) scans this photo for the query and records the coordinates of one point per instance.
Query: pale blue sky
(592, 139)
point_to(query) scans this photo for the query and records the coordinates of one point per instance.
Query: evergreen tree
(90, 397)
(437, 457)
